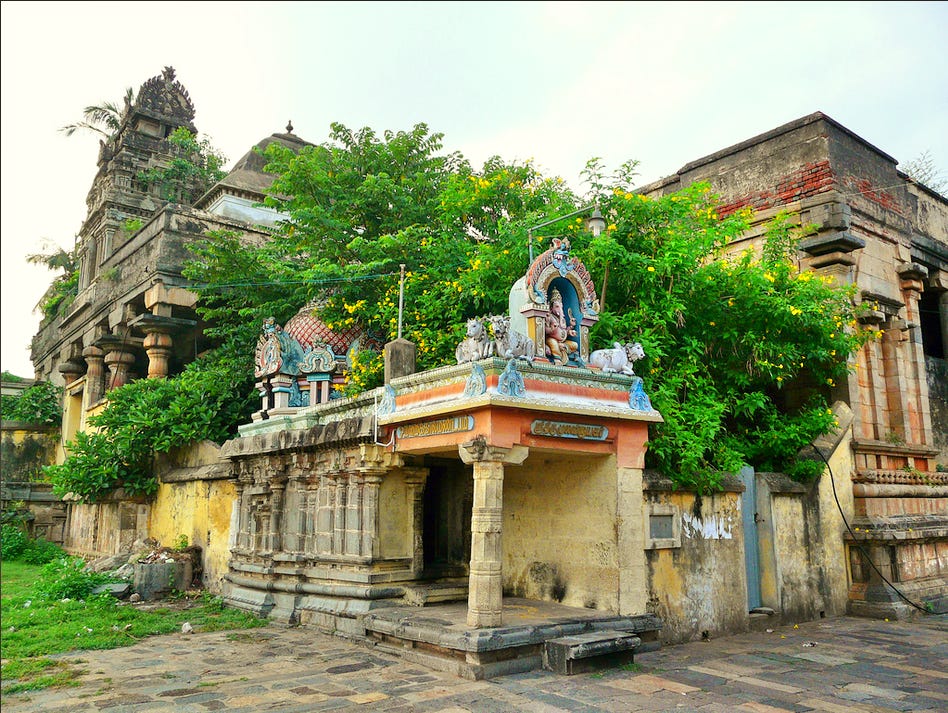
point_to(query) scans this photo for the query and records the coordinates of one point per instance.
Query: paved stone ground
(843, 665)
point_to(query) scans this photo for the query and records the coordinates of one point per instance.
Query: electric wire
(859, 546)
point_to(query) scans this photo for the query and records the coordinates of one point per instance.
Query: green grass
(34, 629)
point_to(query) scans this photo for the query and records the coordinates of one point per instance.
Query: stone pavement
(841, 665)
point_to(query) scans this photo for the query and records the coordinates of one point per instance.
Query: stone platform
(439, 637)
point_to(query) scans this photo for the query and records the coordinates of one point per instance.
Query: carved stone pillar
(918, 410)
(485, 595)
(353, 538)
(158, 348)
(119, 363)
(244, 482)
(71, 369)
(326, 496)
(370, 514)
(340, 491)
(415, 479)
(277, 488)
(95, 373)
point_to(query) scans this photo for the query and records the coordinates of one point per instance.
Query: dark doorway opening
(449, 497)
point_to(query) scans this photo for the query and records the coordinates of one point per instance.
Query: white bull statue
(617, 360)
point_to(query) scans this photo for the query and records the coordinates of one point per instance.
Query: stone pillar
(353, 540)
(119, 363)
(485, 595)
(339, 513)
(71, 369)
(369, 547)
(324, 513)
(399, 358)
(918, 409)
(415, 479)
(95, 373)
(158, 348)
(277, 488)
(244, 481)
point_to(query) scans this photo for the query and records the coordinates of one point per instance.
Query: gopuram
(467, 514)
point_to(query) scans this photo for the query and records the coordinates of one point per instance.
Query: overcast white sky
(559, 82)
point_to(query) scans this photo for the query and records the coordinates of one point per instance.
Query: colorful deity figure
(560, 328)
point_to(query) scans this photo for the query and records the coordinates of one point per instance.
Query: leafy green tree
(103, 119)
(41, 403)
(152, 416)
(65, 286)
(361, 205)
(725, 335)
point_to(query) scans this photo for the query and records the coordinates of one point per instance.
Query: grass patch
(35, 628)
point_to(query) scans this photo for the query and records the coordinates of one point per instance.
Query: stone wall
(937, 372)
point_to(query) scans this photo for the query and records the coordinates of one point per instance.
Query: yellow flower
(611, 228)
(650, 268)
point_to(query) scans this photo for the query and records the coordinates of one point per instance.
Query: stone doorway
(446, 534)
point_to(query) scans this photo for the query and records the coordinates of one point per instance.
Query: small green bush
(12, 542)
(40, 551)
(67, 578)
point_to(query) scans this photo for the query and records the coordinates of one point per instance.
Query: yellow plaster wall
(559, 531)
(395, 517)
(201, 510)
(700, 586)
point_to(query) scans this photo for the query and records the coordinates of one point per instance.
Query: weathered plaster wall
(196, 498)
(106, 528)
(26, 448)
(559, 536)
(700, 586)
(200, 510)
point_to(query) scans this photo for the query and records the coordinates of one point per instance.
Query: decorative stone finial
(289, 126)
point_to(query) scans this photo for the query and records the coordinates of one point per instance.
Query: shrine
(500, 496)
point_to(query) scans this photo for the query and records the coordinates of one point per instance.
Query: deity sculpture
(559, 328)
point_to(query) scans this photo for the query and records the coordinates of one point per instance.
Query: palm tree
(104, 118)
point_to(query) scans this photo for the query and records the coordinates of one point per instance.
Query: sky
(555, 82)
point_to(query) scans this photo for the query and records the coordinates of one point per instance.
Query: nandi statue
(476, 345)
(509, 344)
(619, 359)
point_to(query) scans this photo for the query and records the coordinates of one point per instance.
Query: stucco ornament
(386, 404)
(510, 382)
(476, 383)
(638, 399)
(476, 345)
(277, 352)
(618, 359)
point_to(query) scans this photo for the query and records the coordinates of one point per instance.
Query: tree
(361, 205)
(193, 168)
(103, 119)
(65, 286)
(724, 335)
(923, 169)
